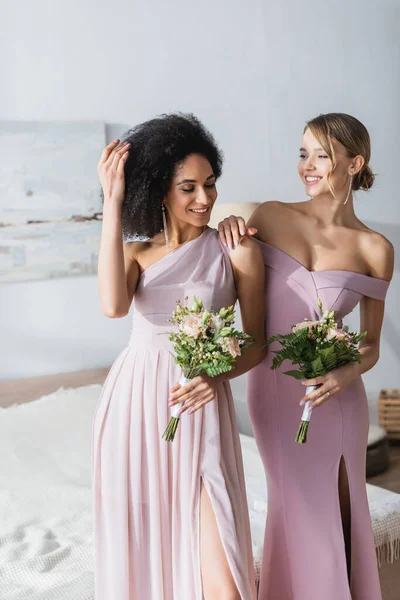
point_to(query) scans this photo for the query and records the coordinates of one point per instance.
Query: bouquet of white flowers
(203, 342)
(316, 347)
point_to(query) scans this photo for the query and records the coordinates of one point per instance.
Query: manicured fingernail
(302, 402)
(236, 242)
(230, 246)
(242, 232)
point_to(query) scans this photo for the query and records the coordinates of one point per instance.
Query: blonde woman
(318, 541)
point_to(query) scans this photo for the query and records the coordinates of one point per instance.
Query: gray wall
(253, 71)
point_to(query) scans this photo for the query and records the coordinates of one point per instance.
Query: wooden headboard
(18, 391)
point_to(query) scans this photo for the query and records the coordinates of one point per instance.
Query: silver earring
(164, 218)
(350, 186)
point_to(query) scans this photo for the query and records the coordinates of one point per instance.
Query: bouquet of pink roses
(204, 342)
(316, 347)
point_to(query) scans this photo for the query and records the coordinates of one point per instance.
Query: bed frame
(19, 391)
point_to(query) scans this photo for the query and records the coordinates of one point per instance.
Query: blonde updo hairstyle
(353, 135)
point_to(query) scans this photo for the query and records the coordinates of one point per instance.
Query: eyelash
(320, 156)
(209, 186)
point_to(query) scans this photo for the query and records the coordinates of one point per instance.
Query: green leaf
(317, 364)
(215, 370)
(327, 352)
(225, 331)
(295, 374)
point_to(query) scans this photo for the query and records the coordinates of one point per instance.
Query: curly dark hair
(158, 146)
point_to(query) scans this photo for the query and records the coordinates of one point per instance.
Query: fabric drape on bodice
(198, 268)
(338, 290)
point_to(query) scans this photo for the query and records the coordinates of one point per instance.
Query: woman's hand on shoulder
(246, 257)
(232, 230)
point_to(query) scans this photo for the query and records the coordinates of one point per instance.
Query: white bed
(46, 550)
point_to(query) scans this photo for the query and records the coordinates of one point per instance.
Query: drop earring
(164, 218)
(350, 186)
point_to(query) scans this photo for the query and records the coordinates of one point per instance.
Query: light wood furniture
(18, 391)
(389, 412)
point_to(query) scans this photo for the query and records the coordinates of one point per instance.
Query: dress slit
(345, 511)
(207, 489)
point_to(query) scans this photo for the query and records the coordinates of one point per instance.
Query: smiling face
(319, 173)
(193, 191)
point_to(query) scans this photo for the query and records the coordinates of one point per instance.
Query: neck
(179, 233)
(329, 210)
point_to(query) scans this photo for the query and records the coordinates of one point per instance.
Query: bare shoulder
(265, 212)
(247, 256)
(276, 213)
(378, 252)
(272, 206)
(276, 207)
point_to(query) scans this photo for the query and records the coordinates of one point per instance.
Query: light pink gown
(304, 552)
(146, 490)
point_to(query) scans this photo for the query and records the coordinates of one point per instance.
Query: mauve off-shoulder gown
(304, 551)
(146, 490)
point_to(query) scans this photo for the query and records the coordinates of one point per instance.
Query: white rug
(46, 550)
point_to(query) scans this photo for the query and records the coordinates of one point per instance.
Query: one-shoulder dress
(147, 490)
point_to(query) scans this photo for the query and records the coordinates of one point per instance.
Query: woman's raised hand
(111, 171)
(232, 229)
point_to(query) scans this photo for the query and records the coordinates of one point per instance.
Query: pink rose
(338, 334)
(304, 324)
(191, 325)
(232, 346)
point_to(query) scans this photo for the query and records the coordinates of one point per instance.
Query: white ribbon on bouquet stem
(175, 409)
(307, 412)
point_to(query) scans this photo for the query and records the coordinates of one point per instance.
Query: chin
(200, 222)
(316, 191)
